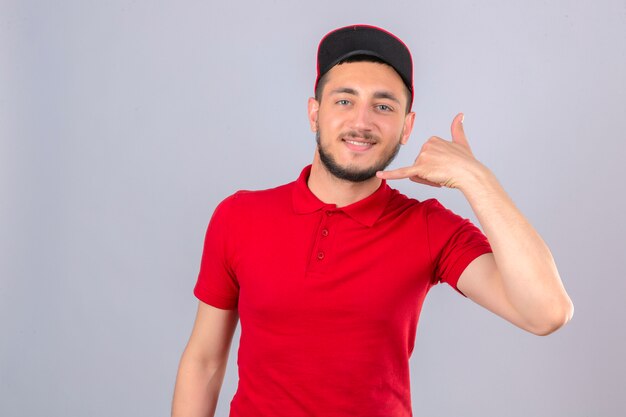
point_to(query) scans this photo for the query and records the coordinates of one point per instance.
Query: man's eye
(343, 102)
(384, 107)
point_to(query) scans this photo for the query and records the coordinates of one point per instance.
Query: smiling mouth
(359, 143)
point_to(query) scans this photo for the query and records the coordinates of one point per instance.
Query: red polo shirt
(328, 298)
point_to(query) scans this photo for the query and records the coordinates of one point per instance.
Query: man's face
(360, 121)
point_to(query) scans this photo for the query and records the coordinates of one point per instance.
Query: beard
(352, 173)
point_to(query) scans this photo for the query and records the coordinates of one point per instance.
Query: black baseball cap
(348, 41)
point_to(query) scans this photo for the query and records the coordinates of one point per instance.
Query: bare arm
(519, 281)
(203, 363)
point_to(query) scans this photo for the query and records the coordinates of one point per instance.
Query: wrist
(479, 181)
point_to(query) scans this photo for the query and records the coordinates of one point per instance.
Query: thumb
(458, 134)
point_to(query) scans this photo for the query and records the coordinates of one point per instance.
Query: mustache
(360, 134)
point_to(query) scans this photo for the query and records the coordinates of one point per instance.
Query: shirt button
(325, 232)
(320, 255)
(329, 213)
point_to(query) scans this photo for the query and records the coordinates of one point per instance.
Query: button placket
(324, 232)
(323, 241)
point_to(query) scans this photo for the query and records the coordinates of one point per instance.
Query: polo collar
(365, 211)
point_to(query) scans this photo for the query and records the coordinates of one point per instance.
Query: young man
(328, 274)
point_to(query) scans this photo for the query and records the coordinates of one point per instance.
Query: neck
(333, 190)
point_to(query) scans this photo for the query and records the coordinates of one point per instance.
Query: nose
(361, 118)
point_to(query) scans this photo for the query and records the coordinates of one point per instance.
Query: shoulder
(399, 202)
(265, 197)
(428, 213)
(245, 201)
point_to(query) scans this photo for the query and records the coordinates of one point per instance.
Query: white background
(123, 124)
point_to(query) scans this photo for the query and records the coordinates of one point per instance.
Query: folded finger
(396, 174)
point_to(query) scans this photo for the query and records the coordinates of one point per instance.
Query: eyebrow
(344, 90)
(387, 95)
(379, 94)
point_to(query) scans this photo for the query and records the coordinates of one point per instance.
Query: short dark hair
(359, 58)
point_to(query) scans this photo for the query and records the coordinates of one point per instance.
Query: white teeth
(358, 143)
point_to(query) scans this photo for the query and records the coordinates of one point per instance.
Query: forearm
(529, 277)
(520, 281)
(197, 388)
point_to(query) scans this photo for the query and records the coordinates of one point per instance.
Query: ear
(409, 119)
(313, 109)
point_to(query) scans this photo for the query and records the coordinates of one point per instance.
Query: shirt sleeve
(217, 283)
(454, 243)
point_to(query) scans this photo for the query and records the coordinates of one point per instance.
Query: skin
(519, 281)
(365, 102)
(203, 363)
(362, 102)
